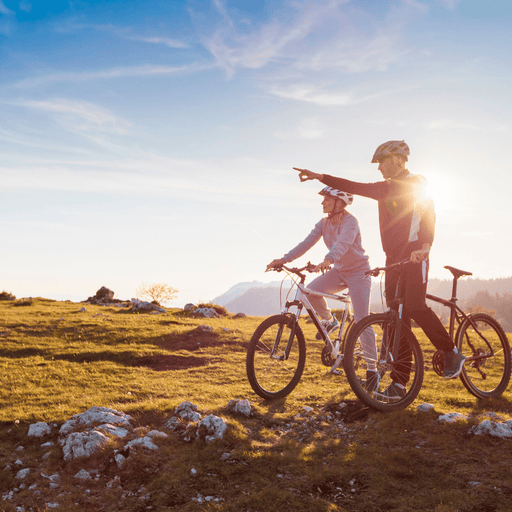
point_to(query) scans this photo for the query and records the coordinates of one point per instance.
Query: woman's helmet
(347, 198)
(392, 147)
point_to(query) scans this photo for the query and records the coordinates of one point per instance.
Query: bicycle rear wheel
(271, 374)
(487, 375)
(408, 370)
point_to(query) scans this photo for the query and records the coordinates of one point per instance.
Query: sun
(442, 190)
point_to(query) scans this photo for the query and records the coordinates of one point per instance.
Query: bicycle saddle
(457, 272)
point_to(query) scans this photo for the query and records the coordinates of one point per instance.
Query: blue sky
(154, 141)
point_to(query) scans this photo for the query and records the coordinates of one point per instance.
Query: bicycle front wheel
(362, 355)
(275, 357)
(488, 373)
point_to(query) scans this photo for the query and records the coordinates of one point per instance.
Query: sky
(153, 142)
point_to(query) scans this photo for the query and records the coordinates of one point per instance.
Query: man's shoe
(392, 393)
(453, 363)
(329, 326)
(372, 381)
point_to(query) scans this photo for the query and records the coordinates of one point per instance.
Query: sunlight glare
(442, 190)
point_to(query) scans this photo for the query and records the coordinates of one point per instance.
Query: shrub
(156, 292)
(7, 296)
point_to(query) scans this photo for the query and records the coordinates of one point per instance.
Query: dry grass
(57, 361)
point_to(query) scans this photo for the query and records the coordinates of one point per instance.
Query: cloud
(307, 129)
(171, 43)
(92, 114)
(25, 6)
(5, 10)
(449, 124)
(118, 72)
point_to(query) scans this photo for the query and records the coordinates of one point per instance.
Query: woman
(341, 234)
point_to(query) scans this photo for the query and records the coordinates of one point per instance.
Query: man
(407, 225)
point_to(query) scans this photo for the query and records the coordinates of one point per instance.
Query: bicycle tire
(487, 377)
(355, 364)
(272, 377)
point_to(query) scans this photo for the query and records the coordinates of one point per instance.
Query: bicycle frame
(301, 301)
(457, 315)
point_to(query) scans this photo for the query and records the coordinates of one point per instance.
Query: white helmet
(347, 198)
(392, 147)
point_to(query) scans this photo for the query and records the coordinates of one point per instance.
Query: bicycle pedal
(334, 368)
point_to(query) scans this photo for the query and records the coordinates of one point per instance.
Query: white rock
(425, 407)
(452, 417)
(189, 307)
(49, 444)
(120, 460)
(20, 449)
(52, 505)
(243, 407)
(172, 423)
(96, 416)
(39, 429)
(112, 430)
(193, 471)
(83, 444)
(156, 433)
(212, 427)
(206, 313)
(19, 462)
(22, 473)
(83, 475)
(145, 442)
(491, 428)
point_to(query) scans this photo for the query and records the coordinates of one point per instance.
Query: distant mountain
(239, 289)
(262, 299)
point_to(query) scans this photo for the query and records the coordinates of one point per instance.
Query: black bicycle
(480, 338)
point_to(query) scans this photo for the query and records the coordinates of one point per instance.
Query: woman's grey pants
(359, 287)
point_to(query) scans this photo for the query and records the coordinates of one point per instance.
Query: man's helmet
(347, 198)
(392, 147)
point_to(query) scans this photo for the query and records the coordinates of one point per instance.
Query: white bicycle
(277, 351)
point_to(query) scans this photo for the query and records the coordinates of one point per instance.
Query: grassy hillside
(57, 361)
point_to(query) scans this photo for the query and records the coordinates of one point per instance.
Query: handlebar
(309, 267)
(377, 270)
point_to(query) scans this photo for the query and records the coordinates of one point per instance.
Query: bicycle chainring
(327, 359)
(438, 362)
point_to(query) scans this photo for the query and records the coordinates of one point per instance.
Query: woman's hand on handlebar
(279, 262)
(305, 175)
(323, 267)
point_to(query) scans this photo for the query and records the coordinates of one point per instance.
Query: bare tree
(159, 292)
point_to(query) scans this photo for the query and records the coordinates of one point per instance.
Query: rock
(141, 305)
(206, 313)
(83, 444)
(425, 407)
(491, 428)
(145, 442)
(187, 411)
(112, 430)
(189, 307)
(156, 433)
(39, 429)
(120, 460)
(202, 329)
(22, 473)
(211, 428)
(104, 293)
(83, 475)
(452, 417)
(240, 315)
(96, 416)
(240, 407)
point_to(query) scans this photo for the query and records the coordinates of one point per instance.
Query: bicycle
(276, 354)
(480, 338)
